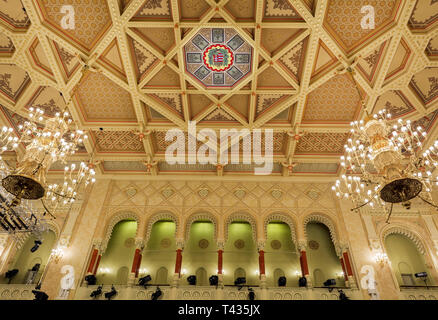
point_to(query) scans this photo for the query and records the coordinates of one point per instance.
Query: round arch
(277, 216)
(241, 216)
(411, 235)
(197, 217)
(116, 218)
(328, 222)
(165, 215)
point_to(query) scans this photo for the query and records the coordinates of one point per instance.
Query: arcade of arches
(125, 230)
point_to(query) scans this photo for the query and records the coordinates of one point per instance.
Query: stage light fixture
(96, 293)
(111, 294)
(11, 274)
(214, 280)
(251, 294)
(191, 280)
(144, 280)
(156, 294)
(91, 279)
(282, 281)
(36, 245)
(302, 282)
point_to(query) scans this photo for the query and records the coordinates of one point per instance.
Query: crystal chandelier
(385, 164)
(47, 141)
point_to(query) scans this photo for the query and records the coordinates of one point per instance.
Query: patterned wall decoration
(13, 81)
(280, 10)
(327, 168)
(11, 11)
(124, 166)
(432, 48)
(170, 100)
(92, 19)
(425, 84)
(395, 103)
(427, 121)
(400, 60)
(117, 141)
(154, 9)
(424, 16)
(219, 115)
(48, 99)
(337, 100)
(6, 45)
(293, 60)
(143, 59)
(343, 19)
(69, 62)
(267, 101)
(101, 99)
(368, 66)
(218, 57)
(322, 143)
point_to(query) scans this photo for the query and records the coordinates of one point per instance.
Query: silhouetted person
(342, 295)
(251, 294)
(156, 294)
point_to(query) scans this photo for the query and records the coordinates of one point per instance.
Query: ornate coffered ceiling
(276, 64)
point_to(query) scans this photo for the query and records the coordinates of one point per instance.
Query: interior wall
(405, 258)
(119, 254)
(323, 262)
(24, 260)
(245, 258)
(159, 255)
(284, 258)
(196, 255)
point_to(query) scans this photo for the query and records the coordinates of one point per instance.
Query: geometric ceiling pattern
(277, 64)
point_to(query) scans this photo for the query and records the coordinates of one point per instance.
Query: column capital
(139, 243)
(302, 245)
(180, 244)
(220, 243)
(261, 243)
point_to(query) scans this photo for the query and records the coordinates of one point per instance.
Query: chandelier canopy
(385, 164)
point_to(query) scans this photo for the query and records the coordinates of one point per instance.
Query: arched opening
(117, 260)
(160, 252)
(406, 260)
(280, 254)
(201, 277)
(277, 274)
(239, 273)
(240, 252)
(200, 250)
(27, 262)
(162, 276)
(321, 255)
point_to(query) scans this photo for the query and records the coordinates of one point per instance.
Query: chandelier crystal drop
(46, 140)
(385, 164)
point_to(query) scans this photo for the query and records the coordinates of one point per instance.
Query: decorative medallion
(167, 192)
(313, 194)
(218, 57)
(129, 243)
(314, 245)
(203, 243)
(275, 244)
(203, 192)
(239, 193)
(239, 243)
(276, 194)
(165, 243)
(130, 192)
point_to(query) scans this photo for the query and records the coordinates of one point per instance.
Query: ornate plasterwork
(117, 141)
(218, 57)
(320, 218)
(242, 216)
(320, 142)
(404, 232)
(283, 218)
(202, 216)
(166, 215)
(12, 12)
(124, 215)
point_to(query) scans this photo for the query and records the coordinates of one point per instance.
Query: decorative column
(139, 245)
(344, 271)
(262, 273)
(303, 262)
(220, 271)
(178, 262)
(348, 267)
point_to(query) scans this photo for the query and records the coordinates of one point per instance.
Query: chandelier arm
(364, 204)
(428, 202)
(47, 210)
(390, 212)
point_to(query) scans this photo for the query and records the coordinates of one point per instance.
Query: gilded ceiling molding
(278, 216)
(241, 216)
(118, 217)
(164, 215)
(328, 222)
(200, 216)
(411, 235)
